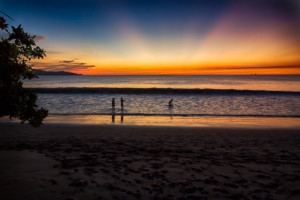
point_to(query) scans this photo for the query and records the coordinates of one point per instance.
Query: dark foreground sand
(138, 162)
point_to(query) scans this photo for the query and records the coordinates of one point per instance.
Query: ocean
(255, 96)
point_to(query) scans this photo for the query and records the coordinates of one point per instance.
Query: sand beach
(61, 161)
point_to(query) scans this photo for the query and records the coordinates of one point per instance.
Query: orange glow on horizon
(227, 47)
(110, 67)
(192, 70)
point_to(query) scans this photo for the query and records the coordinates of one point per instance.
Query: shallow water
(184, 105)
(236, 97)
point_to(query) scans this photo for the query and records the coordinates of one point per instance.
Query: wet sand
(60, 161)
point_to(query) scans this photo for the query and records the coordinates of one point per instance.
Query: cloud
(63, 65)
(40, 38)
(250, 67)
(68, 61)
(53, 52)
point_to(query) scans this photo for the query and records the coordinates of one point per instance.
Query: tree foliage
(16, 49)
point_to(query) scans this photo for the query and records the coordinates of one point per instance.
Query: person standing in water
(171, 103)
(113, 110)
(122, 103)
(113, 104)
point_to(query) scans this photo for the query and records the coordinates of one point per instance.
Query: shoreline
(81, 161)
(172, 121)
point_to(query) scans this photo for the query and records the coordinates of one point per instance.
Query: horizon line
(183, 74)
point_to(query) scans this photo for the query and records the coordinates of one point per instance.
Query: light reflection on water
(221, 122)
(246, 122)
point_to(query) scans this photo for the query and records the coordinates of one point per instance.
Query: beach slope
(60, 161)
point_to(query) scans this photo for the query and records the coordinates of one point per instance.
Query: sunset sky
(162, 36)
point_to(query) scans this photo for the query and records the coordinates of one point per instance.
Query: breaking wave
(91, 90)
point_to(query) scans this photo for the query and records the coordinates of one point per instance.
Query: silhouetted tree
(16, 49)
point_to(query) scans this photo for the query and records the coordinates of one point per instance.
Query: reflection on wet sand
(171, 111)
(113, 116)
(122, 115)
(248, 122)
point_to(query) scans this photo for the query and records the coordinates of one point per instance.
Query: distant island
(42, 72)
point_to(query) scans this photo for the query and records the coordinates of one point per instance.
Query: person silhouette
(122, 103)
(113, 104)
(171, 103)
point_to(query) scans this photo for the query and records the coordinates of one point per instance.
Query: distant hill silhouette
(42, 72)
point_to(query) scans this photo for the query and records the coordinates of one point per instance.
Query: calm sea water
(270, 83)
(284, 103)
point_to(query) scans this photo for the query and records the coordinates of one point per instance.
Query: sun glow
(233, 44)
